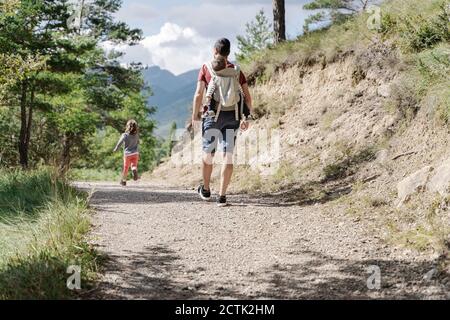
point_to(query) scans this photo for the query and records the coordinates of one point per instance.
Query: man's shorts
(221, 135)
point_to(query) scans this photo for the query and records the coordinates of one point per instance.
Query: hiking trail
(166, 243)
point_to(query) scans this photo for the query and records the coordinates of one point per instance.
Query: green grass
(43, 224)
(94, 175)
(430, 231)
(321, 46)
(348, 165)
(411, 26)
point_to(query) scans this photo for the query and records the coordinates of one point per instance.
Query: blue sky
(179, 34)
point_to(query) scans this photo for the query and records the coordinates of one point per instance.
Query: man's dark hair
(223, 47)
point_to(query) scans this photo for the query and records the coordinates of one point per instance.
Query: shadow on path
(158, 273)
(152, 274)
(325, 277)
(305, 195)
(150, 196)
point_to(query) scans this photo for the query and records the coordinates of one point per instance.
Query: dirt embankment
(351, 136)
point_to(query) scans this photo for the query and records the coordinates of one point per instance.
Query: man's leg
(227, 145)
(207, 168)
(210, 138)
(226, 173)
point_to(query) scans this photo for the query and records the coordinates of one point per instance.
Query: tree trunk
(64, 162)
(23, 145)
(26, 120)
(279, 20)
(30, 120)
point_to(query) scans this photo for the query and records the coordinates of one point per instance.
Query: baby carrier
(226, 93)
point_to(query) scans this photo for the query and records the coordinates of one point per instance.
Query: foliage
(423, 38)
(419, 32)
(43, 223)
(94, 174)
(336, 11)
(169, 143)
(61, 87)
(258, 36)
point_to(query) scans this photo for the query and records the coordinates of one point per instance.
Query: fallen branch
(404, 154)
(371, 178)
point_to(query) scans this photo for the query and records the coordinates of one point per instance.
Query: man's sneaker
(123, 183)
(204, 194)
(135, 175)
(222, 201)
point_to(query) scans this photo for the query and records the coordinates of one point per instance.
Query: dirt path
(167, 244)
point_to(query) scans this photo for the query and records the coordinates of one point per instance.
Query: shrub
(348, 165)
(419, 33)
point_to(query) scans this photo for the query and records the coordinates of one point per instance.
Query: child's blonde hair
(132, 127)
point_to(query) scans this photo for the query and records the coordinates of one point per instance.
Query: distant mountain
(172, 95)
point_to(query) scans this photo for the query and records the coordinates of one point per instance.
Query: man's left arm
(248, 97)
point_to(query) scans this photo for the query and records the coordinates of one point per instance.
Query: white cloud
(214, 20)
(187, 36)
(178, 49)
(174, 48)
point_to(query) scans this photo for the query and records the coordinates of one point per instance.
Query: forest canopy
(64, 100)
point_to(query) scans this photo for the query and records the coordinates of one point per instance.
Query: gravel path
(167, 244)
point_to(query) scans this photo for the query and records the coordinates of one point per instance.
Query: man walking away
(219, 126)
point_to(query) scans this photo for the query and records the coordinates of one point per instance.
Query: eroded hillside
(363, 132)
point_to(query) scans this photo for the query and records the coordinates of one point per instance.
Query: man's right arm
(198, 99)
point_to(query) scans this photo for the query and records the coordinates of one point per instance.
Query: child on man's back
(218, 64)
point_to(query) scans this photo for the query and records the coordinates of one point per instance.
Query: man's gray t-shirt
(131, 143)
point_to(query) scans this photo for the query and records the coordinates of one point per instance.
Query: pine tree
(335, 11)
(81, 88)
(258, 36)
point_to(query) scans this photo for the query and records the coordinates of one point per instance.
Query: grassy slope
(419, 29)
(419, 33)
(43, 223)
(416, 30)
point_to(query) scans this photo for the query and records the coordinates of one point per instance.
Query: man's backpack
(228, 95)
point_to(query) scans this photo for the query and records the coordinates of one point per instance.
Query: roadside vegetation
(64, 98)
(64, 101)
(43, 227)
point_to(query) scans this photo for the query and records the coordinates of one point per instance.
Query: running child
(130, 139)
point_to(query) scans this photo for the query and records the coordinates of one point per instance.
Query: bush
(419, 32)
(42, 236)
(347, 166)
